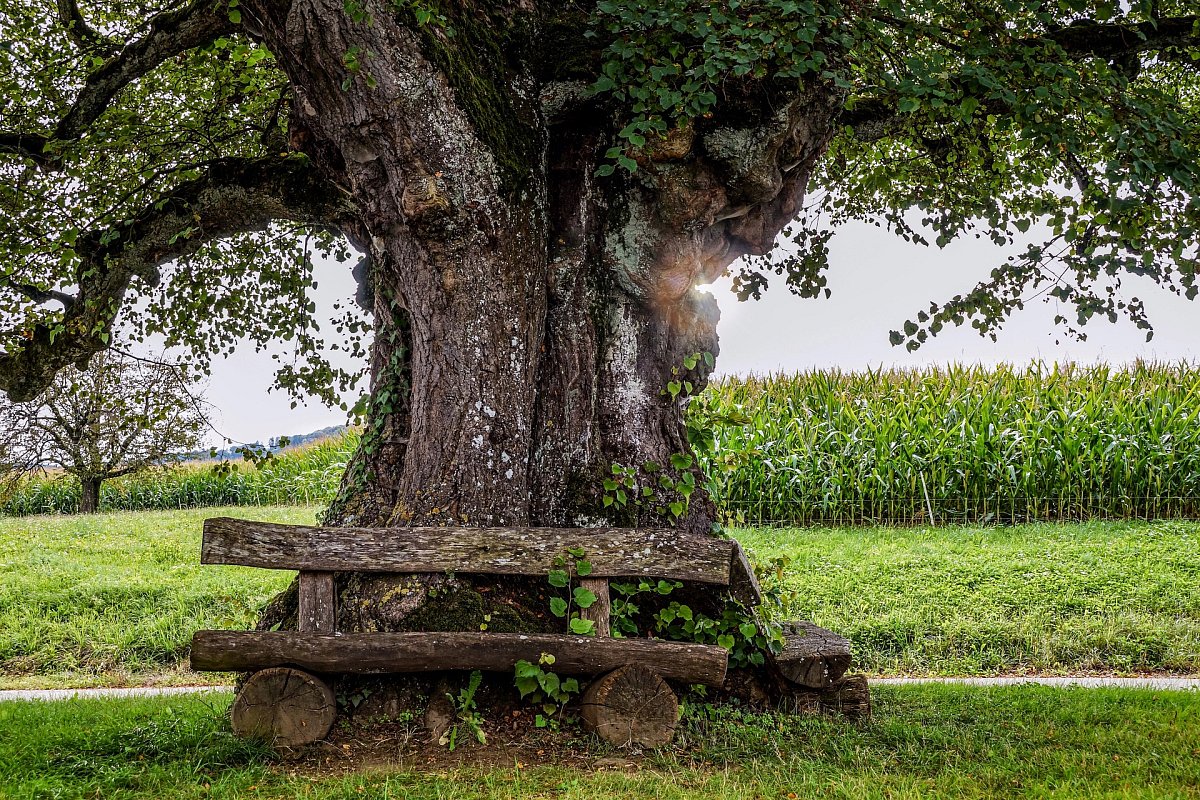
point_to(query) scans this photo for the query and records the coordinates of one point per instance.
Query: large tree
(537, 188)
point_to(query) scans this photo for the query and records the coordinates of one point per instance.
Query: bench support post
(318, 603)
(599, 611)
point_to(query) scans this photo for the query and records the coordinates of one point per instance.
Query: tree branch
(1120, 40)
(84, 35)
(235, 196)
(40, 296)
(171, 33)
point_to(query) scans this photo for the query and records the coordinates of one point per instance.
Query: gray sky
(878, 281)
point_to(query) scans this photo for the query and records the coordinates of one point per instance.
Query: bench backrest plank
(612, 552)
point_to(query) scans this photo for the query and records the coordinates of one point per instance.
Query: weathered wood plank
(374, 653)
(613, 552)
(812, 656)
(743, 583)
(318, 602)
(599, 611)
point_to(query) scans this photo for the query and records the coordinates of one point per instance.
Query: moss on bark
(478, 53)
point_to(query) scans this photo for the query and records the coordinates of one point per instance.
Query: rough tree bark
(529, 314)
(89, 494)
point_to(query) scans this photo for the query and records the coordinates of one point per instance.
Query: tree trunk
(89, 494)
(531, 318)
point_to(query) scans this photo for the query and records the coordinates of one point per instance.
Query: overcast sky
(878, 281)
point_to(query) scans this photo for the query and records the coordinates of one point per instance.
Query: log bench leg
(284, 706)
(630, 707)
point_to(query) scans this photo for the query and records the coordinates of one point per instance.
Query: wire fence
(923, 510)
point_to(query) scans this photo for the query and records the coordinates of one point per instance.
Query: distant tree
(119, 416)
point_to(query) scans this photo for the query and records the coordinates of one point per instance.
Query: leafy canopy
(144, 148)
(987, 118)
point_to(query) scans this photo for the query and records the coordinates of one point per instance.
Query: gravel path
(144, 691)
(1083, 681)
(1178, 684)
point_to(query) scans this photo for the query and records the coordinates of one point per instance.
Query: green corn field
(957, 444)
(307, 474)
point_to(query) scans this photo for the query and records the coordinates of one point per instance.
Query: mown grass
(307, 474)
(924, 741)
(970, 444)
(1056, 598)
(113, 599)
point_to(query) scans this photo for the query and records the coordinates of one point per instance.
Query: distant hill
(234, 452)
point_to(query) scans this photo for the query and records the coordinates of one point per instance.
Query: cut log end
(285, 707)
(631, 707)
(812, 656)
(849, 696)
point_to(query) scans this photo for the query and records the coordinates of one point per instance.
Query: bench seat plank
(612, 552)
(373, 653)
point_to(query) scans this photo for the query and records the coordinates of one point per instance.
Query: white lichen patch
(629, 250)
(630, 391)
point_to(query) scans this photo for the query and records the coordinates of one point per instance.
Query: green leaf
(583, 568)
(726, 641)
(584, 598)
(526, 685)
(748, 630)
(558, 578)
(558, 606)
(583, 627)
(549, 682)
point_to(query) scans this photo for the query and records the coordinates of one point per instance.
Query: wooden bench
(287, 703)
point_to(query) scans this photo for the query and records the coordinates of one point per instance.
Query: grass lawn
(924, 741)
(1118, 597)
(113, 599)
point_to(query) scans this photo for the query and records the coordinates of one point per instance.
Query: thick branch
(234, 197)
(171, 33)
(1119, 40)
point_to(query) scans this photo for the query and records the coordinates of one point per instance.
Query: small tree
(118, 417)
